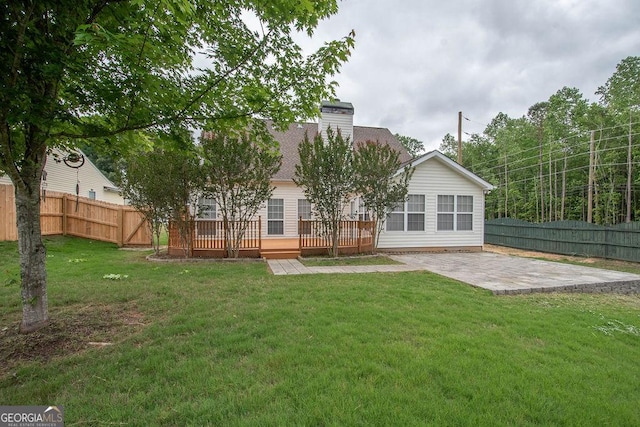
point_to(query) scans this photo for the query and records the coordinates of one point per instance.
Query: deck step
(280, 253)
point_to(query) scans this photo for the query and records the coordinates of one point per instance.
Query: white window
(363, 212)
(359, 211)
(395, 219)
(464, 220)
(207, 209)
(415, 212)
(304, 209)
(408, 216)
(455, 213)
(275, 216)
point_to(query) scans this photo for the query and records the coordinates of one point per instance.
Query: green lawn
(228, 344)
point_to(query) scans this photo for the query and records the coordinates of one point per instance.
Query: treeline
(541, 163)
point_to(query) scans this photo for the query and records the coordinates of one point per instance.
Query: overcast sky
(418, 62)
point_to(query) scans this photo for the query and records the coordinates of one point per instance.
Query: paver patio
(501, 274)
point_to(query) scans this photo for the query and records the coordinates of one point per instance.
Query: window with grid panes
(275, 216)
(395, 219)
(464, 216)
(415, 212)
(445, 212)
(455, 213)
(207, 210)
(304, 213)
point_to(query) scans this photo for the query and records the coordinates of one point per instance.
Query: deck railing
(210, 234)
(207, 237)
(352, 234)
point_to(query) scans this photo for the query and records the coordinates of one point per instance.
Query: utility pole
(629, 170)
(592, 146)
(460, 137)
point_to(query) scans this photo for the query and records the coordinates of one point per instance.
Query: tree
(621, 95)
(74, 71)
(379, 181)
(160, 183)
(237, 170)
(108, 162)
(449, 147)
(325, 173)
(413, 146)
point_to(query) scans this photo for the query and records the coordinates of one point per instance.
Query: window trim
(310, 209)
(304, 227)
(422, 213)
(273, 220)
(212, 212)
(402, 209)
(455, 213)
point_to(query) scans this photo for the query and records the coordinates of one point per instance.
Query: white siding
(433, 178)
(344, 122)
(62, 178)
(290, 193)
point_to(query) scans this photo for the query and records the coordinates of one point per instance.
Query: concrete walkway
(281, 267)
(501, 274)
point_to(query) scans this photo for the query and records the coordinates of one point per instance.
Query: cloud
(418, 62)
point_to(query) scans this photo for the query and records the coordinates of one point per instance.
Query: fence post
(359, 237)
(120, 227)
(64, 214)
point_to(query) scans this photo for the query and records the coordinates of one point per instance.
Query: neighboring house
(445, 207)
(57, 176)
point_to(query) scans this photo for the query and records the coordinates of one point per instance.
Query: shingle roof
(294, 135)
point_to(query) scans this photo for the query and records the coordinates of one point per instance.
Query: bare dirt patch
(71, 330)
(601, 262)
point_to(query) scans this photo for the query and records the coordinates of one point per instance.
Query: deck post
(300, 233)
(259, 234)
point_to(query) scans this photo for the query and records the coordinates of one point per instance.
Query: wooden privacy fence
(68, 215)
(621, 241)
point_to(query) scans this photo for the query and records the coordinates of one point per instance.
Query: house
(69, 176)
(444, 210)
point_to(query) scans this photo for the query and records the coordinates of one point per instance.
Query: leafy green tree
(379, 181)
(325, 173)
(72, 71)
(621, 92)
(237, 169)
(621, 97)
(161, 183)
(109, 162)
(449, 147)
(413, 146)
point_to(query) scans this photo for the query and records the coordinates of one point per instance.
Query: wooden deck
(280, 248)
(207, 240)
(282, 244)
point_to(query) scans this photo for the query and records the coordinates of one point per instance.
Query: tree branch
(180, 115)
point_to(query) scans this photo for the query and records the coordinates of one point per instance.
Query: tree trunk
(33, 255)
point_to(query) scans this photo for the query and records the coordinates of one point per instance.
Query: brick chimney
(337, 115)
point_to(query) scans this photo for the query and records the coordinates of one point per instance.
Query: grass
(228, 344)
(342, 261)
